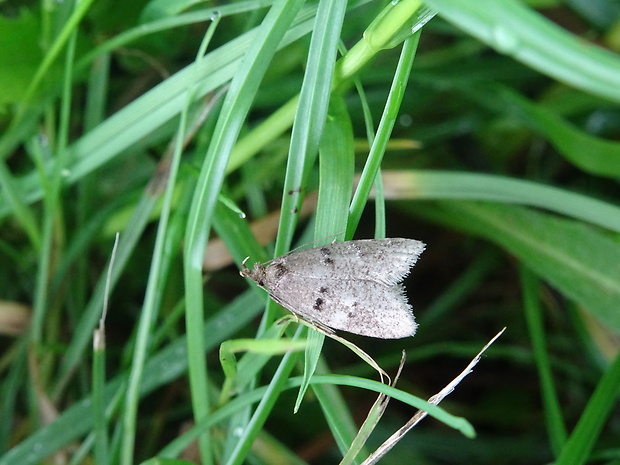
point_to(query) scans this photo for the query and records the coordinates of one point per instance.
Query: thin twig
(420, 414)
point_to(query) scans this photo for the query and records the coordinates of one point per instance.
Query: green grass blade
(256, 423)
(160, 265)
(514, 29)
(148, 113)
(584, 436)
(534, 316)
(580, 261)
(392, 107)
(468, 186)
(591, 154)
(163, 367)
(234, 111)
(91, 314)
(310, 116)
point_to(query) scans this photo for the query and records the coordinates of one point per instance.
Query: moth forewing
(386, 261)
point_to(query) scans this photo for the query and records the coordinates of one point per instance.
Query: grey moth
(352, 286)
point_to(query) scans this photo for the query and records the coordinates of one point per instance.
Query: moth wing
(361, 307)
(385, 261)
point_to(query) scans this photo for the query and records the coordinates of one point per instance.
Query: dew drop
(405, 120)
(505, 41)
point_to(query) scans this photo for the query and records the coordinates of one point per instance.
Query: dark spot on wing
(322, 290)
(327, 260)
(318, 304)
(281, 270)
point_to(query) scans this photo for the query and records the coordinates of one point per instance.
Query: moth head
(256, 274)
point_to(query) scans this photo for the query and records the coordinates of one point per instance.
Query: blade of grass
(94, 114)
(81, 335)
(177, 446)
(556, 428)
(422, 184)
(346, 69)
(305, 139)
(234, 110)
(163, 9)
(380, 225)
(336, 168)
(578, 260)
(13, 381)
(52, 226)
(163, 367)
(581, 441)
(392, 106)
(268, 400)
(100, 432)
(309, 119)
(15, 204)
(335, 409)
(161, 258)
(151, 111)
(240, 373)
(591, 154)
(63, 37)
(460, 424)
(515, 29)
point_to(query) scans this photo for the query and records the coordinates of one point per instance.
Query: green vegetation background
(248, 128)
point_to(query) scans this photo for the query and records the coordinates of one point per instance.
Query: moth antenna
(300, 247)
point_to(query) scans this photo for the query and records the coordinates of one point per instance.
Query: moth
(352, 286)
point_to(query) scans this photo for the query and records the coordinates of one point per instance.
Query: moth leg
(321, 327)
(313, 324)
